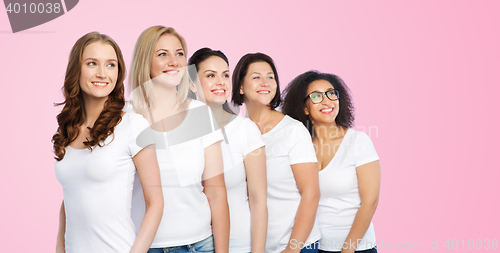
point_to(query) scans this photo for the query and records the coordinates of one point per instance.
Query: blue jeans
(310, 248)
(205, 245)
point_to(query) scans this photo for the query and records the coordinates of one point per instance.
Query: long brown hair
(72, 115)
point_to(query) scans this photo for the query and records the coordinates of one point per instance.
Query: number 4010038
(33, 8)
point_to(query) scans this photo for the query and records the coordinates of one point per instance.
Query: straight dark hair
(196, 59)
(240, 71)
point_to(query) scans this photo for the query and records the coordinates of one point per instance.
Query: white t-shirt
(340, 199)
(243, 137)
(180, 152)
(97, 188)
(287, 143)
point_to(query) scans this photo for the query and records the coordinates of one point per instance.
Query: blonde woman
(188, 148)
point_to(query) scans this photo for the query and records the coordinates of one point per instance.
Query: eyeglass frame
(323, 95)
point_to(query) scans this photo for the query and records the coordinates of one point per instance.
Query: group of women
(176, 169)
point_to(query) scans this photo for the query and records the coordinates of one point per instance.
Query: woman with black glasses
(349, 169)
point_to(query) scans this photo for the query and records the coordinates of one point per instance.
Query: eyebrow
(161, 49)
(94, 59)
(209, 70)
(258, 73)
(329, 89)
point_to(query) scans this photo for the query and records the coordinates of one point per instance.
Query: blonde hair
(140, 73)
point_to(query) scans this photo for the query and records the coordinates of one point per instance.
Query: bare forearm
(359, 227)
(304, 221)
(220, 220)
(149, 226)
(62, 230)
(258, 212)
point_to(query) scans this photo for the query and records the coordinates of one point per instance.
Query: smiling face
(327, 110)
(259, 85)
(99, 70)
(214, 79)
(169, 60)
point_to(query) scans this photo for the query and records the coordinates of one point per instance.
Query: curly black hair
(240, 71)
(296, 92)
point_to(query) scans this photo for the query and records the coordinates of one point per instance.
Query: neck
(258, 113)
(222, 117)
(323, 131)
(93, 108)
(164, 101)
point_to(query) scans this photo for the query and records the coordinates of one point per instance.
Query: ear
(306, 111)
(241, 90)
(192, 87)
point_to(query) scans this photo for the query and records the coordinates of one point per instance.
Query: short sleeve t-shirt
(180, 153)
(97, 188)
(288, 143)
(242, 137)
(340, 199)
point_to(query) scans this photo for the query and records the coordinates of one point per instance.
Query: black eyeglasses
(317, 96)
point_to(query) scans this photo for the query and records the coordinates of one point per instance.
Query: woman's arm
(62, 230)
(255, 168)
(149, 174)
(306, 176)
(369, 189)
(215, 190)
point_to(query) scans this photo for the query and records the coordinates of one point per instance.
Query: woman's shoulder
(133, 119)
(294, 125)
(358, 139)
(357, 135)
(246, 125)
(193, 103)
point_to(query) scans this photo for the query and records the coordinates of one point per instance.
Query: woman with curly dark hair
(348, 164)
(97, 155)
(292, 177)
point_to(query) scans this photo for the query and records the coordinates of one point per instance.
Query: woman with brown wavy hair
(188, 148)
(97, 153)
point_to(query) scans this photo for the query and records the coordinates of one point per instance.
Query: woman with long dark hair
(97, 155)
(243, 153)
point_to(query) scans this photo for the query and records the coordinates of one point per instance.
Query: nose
(219, 81)
(326, 101)
(100, 72)
(264, 83)
(173, 62)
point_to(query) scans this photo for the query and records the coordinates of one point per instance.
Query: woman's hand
(215, 190)
(62, 230)
(369, 189)
(149, 174)
(255, 169)
(306, 177)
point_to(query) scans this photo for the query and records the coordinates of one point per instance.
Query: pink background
(424, 75)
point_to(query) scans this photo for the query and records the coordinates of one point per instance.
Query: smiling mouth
(171, 72)
(327, 110)
(263, 92)
(219, 92)
(100, 84)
